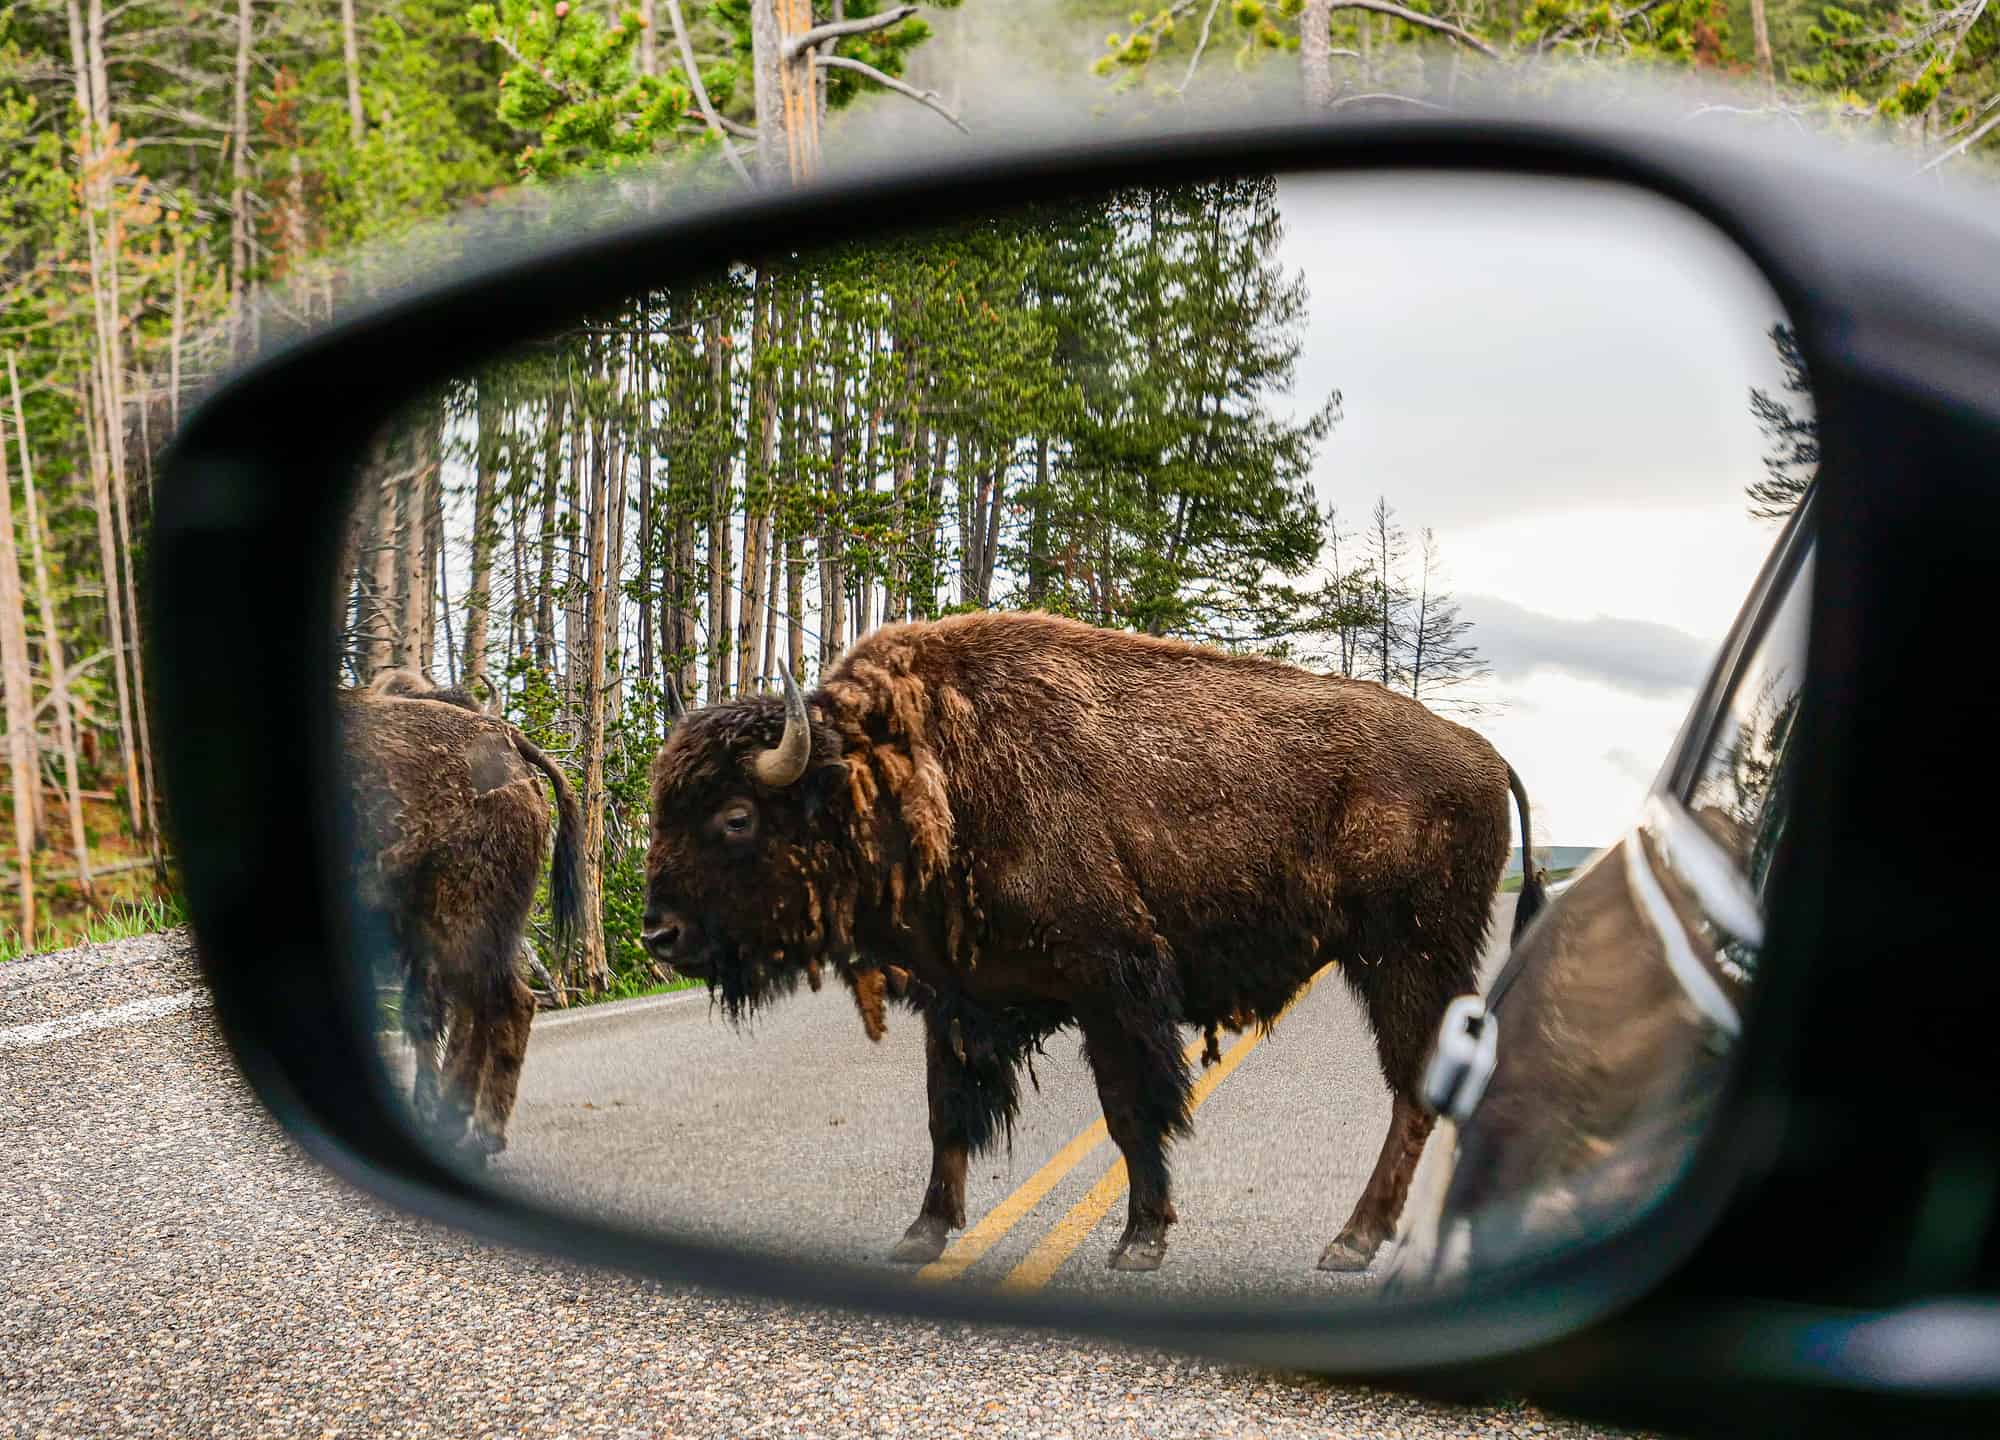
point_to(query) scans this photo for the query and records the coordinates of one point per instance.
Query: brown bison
(451, 829)
(1028, 824)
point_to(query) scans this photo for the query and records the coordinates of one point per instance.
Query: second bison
(1032, 824)
(450, 832)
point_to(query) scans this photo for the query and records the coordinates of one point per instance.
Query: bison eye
(736, 820)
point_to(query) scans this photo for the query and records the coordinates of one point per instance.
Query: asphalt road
(798, 1135)
(172, 1266)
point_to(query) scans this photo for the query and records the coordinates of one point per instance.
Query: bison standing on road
(451, 829)
(1050, 825)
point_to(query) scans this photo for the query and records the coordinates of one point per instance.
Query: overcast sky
(1553, 375)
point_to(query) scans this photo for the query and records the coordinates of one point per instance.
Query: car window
(1739, 796)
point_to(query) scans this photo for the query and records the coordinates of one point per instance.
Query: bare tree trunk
(103, 413)
(107, 553)
(1316, 52)
(545, 621)
(139, 707)
(411, 609)
(933, 513)
(433, 544)
(832, 544)
(646, 448)
(596, 972)
(757, 497)
(239, 172)
(795, 600)
(720, 591)
(786, 92)
(52, 644)
(485, 534)
(179, 329)
(1760, 30)
(775, 579)
(23, 751)
(685, 615)
(517, 603)
(575, 568)
(113, 360)
(382, 568)
(649, 50)
(989, 550)
(614, 598)
(351, 50)
(773, 132)
(896, 575)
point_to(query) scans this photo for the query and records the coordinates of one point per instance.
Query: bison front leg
(949, 1089)
(972, 1091)
(1381, 1203)
(1142, 1082)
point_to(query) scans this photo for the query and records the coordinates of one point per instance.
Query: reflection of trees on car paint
(1742, 797)
(1792, 434)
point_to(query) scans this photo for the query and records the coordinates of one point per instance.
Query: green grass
(119, 922)
(1512, 884)
(636, 987)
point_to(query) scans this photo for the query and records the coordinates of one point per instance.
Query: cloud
(1629, 764)
(1637, 656)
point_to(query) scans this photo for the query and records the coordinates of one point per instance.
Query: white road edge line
(46, 1032)
(617, 1008)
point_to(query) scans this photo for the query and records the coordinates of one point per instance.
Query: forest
(1067, 410)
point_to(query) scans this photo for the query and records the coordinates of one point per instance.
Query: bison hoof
(922, 1243)
(1141, 1251)
(1347, 1255)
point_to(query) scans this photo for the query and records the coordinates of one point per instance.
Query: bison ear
(824, 787)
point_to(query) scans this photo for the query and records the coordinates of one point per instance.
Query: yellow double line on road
(1041, 1263)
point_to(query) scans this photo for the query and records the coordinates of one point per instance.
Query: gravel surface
(172, 1266)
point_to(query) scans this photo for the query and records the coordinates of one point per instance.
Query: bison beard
(451, 828)
(1038, 825)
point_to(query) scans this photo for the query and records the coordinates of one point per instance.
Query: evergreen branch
(1431, 22)
(541, 71)
(842, 29)
(1569, 27)
(701, 99)
(927, 98)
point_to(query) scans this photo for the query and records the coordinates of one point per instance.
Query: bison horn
(785, 762)
(674, 701)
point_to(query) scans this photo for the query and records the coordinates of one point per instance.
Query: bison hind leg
(468, 1050)
(1142, 1083)
(1405, 990)
(423, 1028)
(510, 1017)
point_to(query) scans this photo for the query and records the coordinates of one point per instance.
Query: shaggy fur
(1048, 825)
(451, 830)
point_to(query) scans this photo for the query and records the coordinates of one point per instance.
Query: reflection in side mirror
(1039, 719)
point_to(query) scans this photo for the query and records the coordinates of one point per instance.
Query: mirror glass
(988, 753)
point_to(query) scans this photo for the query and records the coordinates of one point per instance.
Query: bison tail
(566, 871)
(1533, 896)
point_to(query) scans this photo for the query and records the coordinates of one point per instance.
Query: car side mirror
(909, 652)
